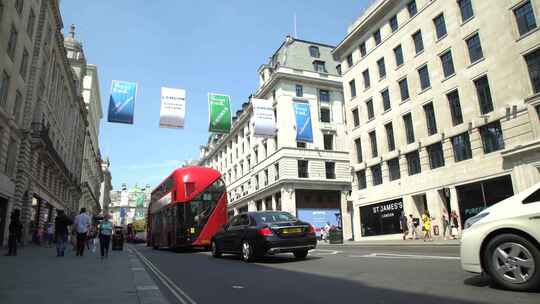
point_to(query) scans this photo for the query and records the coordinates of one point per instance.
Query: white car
(503, 241)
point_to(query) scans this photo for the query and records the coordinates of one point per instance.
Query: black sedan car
(255, 234)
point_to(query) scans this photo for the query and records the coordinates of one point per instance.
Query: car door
(531, 206)
(238, 232)
(226, 237)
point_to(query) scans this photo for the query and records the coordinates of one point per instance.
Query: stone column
(288, 199)
(346, 212)
(252, 206)
(274, 203)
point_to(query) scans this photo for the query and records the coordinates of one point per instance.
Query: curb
(146, 288)
(392, 244)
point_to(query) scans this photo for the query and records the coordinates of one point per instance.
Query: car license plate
(291, 230)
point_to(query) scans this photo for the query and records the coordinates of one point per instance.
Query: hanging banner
(264, 119)
(219, 107)
(122, 102)
(173, 108)
(303, 122)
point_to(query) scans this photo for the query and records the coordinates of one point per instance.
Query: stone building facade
(44, 119)
(281, 173)
(443, 105)
(106, 186)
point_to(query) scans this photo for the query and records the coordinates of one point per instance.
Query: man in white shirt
(82, 224)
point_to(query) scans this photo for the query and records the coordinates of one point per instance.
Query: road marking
(237, 287)
(324, 252)
(178, 293)
(147, 287)
(404, 256)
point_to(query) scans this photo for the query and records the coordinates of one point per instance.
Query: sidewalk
(36, 275)
(395, 243)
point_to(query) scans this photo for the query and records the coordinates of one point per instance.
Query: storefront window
(381, 218)
(475, 197)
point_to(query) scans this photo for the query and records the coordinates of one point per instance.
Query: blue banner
(122, 102)
(303, 122)
(319, 218)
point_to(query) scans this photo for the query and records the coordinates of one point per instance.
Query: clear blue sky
(201, 46)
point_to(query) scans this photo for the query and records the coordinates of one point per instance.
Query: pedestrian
(454, 220)
(426, 226)
(326, 231)
(49, 234)
(91, 241)
(61, 233)
(404, 225)
(416, 224)
(105, 232)
(445, 224)
(82, 223)
(14, 232)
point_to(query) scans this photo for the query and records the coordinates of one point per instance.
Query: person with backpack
(61, 224)
(105, 232)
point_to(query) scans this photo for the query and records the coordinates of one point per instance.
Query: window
(12, 43)
(356, 118)
(465, 7)
(349, 60)
(447, 64)
(382, 68)
(301, 144)
(525, 18)
(369, 107)
(361, 178)
(409, 130)
(303, 168)
(276, 170)
(299, 90)
(352, 87)
(376, 173)
(455, 107)
(19, 4)
(404, 89)
(484, 94)
(24, 64)
(319, 66)
(385, 96)
(358, 146)
(423, 73)
(492, 137)
(533, 64)
(31, 24)
(362, 48)
(390, 137)
(398, 54)
(17, 108)
(324, 95)
(462, 147)
(330, 170)
(393, 169)
(11, 158)
(418, 42)
(266, 177)
(436, 156)
(325, 114)
(533, 198)
(430, 119)
(411, 7)
(367, 82)
(440, 26)
(314, 52)
(377, 36)
(328, 141)
(393, 23)
(4, 86)
(475, 48)
(373, 141)
(338, 69)
(413, 162)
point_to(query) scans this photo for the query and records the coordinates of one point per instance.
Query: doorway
(3, 218)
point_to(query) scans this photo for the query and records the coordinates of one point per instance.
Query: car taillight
(265, 231)
(311, 229)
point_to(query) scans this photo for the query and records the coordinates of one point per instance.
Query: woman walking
(426, 226)
(105, 232)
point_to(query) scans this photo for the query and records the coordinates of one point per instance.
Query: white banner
(173, 108)
(263, 118)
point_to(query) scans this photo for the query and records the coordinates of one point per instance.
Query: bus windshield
(201, 207)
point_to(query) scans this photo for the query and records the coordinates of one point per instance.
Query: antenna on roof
(295, 33)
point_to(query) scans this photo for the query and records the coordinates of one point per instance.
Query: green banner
(220, 113)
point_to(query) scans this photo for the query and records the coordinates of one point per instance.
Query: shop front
(320, 208)
(381, 218)
(475, 197)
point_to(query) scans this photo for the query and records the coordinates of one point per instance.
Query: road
(330, 274)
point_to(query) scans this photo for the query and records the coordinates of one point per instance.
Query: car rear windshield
(273, 217)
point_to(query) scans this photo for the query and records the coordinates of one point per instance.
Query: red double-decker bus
(187, 208)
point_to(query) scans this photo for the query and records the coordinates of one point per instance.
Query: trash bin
(335, 236)
(118, 239)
